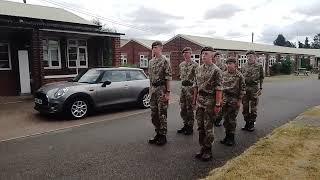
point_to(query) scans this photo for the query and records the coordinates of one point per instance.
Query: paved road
(118, 149)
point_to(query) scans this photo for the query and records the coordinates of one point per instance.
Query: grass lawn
(289, 152)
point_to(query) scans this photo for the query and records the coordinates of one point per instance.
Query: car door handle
(126, 86)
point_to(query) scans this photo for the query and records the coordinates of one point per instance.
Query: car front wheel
(144, 100)
(78, 108)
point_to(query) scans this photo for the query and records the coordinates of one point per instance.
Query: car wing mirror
(106, 83)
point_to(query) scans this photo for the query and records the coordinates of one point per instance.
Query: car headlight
(60, 93)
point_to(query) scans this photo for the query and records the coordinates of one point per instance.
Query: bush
(276, 69)
(286, 67)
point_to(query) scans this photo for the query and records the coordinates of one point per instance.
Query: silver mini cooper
(95, 88)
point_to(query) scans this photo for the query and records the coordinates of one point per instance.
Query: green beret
(186, 49)
(208, 48)
(156, 43)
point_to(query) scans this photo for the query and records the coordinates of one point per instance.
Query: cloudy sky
(228, 19)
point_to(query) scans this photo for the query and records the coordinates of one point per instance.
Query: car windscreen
(90, 76)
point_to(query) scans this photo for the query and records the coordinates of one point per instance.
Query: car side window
(137, 75)
(106, 77)
(118, 76)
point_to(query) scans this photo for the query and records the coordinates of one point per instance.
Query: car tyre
(78, 108)
(144, 99)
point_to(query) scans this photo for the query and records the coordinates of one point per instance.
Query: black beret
(156, 43)
(186, 49)
(250, 52)
(208, 48)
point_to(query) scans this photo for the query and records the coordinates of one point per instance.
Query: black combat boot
(182, 130)
(251, 126)
(188, 130)
(230, 140)
(162, 140)
(225, 139)
(207, 155)
(199, 154)
(245, 127)
(154, 140)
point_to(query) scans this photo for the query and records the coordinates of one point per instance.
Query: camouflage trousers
(159, 106)
(230, 111)
(186, 111)
(250, 104)
(204, 119)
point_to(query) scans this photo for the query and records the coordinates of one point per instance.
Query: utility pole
(252, 34)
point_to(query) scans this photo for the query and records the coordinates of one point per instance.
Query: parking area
(18, 118)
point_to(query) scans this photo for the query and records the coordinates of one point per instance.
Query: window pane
(118, 76)
(83, 63)
(82, 43)
(54, 55)
(4, 56)
(72, 50)
(55, 63)
(106, 77)
(4, 64)
(197, 56)
(137, 75)
(73, 57)
(72, 63)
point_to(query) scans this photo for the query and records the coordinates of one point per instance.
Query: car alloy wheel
(79, 108)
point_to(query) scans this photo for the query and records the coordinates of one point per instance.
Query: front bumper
(47, 106)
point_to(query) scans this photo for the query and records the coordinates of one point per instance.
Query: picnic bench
(302, 71)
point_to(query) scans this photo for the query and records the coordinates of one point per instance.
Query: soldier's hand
(167, 97)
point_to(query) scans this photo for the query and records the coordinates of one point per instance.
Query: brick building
(41, 44)
(267, 54)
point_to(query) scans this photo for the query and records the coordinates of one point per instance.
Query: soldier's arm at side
(168, 76)
(261, 76)
(242, 87)
(218, 88)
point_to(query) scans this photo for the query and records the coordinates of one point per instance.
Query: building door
(24, 72)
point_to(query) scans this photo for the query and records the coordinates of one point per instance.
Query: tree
(102, 26)
(300, 44)
(290, 44)
(316, 42)
(306, 43)
(280, 41)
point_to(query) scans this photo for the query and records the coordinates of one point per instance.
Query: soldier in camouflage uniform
(187, 76)
(253, 74)
(207, 97)
(234, 88)
(218, 62)
(160, 76)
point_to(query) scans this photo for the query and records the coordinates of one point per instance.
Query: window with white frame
(51, 54)
(282, 58)
(144, 61)
(124, 59)
(196, 58)
(5, 59)
(272, 60)
(77, 54)
(242, 60)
